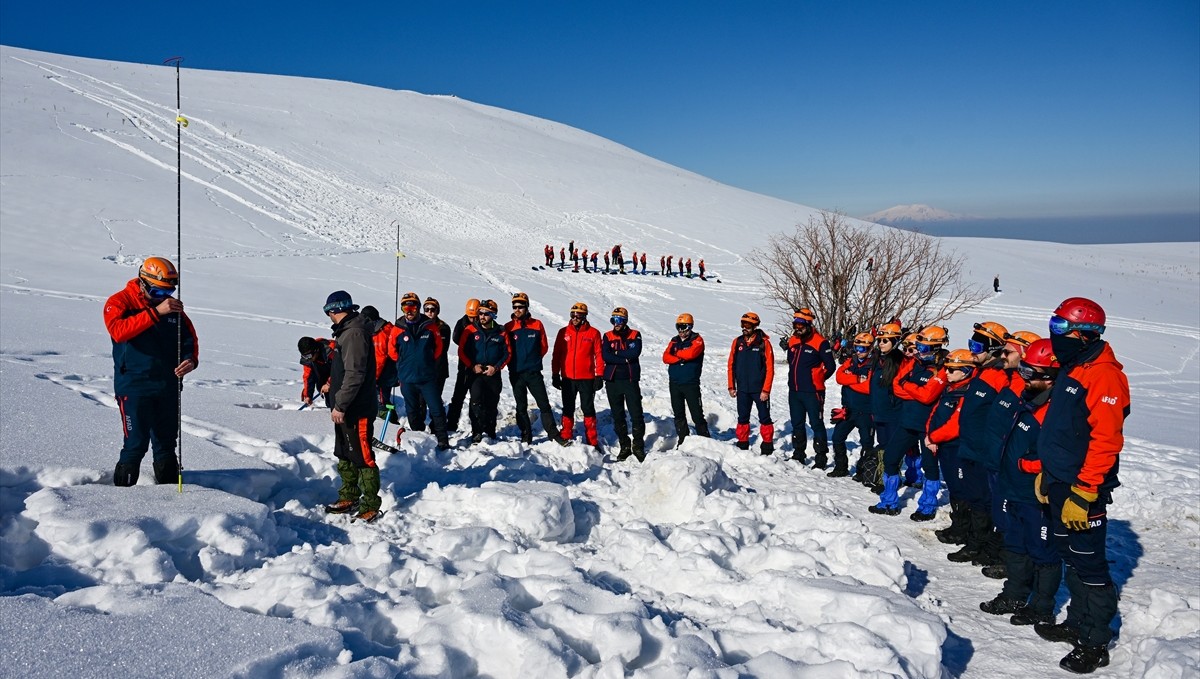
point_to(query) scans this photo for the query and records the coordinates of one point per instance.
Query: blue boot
(889, 499)
(928, 502)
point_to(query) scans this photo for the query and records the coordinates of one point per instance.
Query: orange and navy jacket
(810, 363)
(481, 345)
(1083, 432)
(526, 344)
(918, 386)
(419, 346)
(684, 359)
(386, 354)
(317, 370)
(856, 393)
(988, 381)
(944, 424)
(145, 345)
(622, 355)
(1019, 463)
(751, 367)
(999, 420)
(577, 353)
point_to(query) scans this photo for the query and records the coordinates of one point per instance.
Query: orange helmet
(888, 331)
(1022, 339)
(989, 336)
(864, 339)
(910, 339)
(472, 307)
(934, 334)
(959, 358)
(752, 318)
(520, 298)
(489, 305)
(804, 315)
(159, 272)
(579, 308)
(684, 318)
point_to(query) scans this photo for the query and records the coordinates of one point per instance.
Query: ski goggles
(578, 314)
(409, 305)
(680, 327)
(801, 321)
(618, 320)
(1061, 326)
(924, 349)
(859, 349)
(487, 313)
(159, 293)
(1030, 373)
(976, 347)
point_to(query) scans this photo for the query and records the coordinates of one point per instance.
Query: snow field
(497, 560)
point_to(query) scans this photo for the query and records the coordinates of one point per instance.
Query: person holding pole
(145, 322)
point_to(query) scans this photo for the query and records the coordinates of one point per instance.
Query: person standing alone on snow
(352, 384)
(143, 322)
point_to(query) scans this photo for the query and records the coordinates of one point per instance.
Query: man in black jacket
(352, 390)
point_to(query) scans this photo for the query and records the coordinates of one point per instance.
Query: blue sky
(996, 109)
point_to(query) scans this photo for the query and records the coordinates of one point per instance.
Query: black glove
(783, 342)
(556, 381)
(598, 383)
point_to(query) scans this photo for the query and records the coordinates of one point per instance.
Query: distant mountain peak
(913, 214)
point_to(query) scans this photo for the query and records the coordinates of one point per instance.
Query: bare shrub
(823, 265)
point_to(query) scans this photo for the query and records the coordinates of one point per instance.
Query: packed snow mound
(527, 512)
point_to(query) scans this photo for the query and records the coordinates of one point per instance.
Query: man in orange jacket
(144, 321)
(1079, 446)
(577, 367)
(751, 369)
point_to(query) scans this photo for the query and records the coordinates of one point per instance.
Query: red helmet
(1040, 354)
(1078, 313)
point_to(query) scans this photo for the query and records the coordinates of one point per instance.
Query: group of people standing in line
(1024, 431)
(614, 261)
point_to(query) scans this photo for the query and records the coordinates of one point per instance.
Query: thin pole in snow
(180, 123)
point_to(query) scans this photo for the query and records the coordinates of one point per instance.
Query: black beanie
(307, 345)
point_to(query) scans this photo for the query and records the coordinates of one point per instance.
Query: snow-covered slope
(496, 560)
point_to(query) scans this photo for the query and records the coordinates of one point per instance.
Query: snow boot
(126, 474)
(766, 448)
(1058, 632)
(368, 515)
(928, 502)
(889, 499)
(589, 429)
(568, 429)
(702, 429)
(821, 459)
(977, 533)
(742, 432)
(1085, 659)
(626, 448)
(639, 449)
(956, 532)
(997, 571)
(1028, 616)
(1046, 579)
(341, 507)
(860, 465)
(166, 472)
(1002, 605)
(840, 462)
(443, 442)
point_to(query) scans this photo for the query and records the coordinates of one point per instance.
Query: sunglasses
(578, 314)
(618, 320)
(487, 312)
(520, 306)
(967, 370)
(1061, 326)
(748, 326)
(430, 309)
